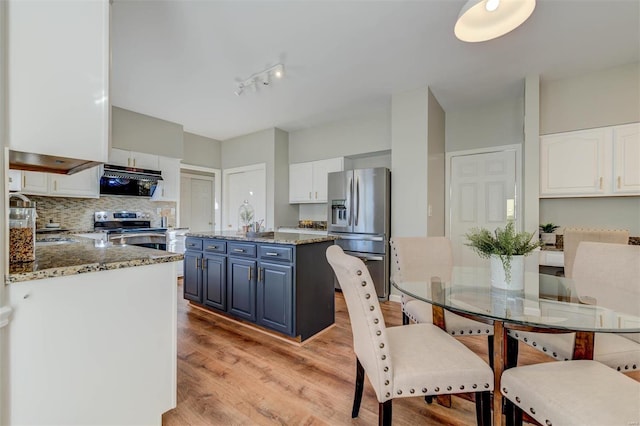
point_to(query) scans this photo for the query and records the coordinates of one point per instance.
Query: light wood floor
(233, 375)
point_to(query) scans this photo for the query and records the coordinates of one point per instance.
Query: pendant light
(482, 20)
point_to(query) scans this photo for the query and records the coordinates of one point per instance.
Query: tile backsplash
(77, 213)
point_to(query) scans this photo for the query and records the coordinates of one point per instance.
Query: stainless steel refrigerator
(359, 207)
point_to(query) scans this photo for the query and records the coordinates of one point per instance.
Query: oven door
(152, 240)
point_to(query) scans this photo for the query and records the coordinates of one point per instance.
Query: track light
(262, 78)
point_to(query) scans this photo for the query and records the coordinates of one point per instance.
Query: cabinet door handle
(270, 253)
(129, 162)
(197, 262)
(619, 182)
(250, 270)
(309, 194)
(316, 195)
(260, 274)
(55, 185)
(134, 162)
(600, 182)
(204, 264)
(237, 250)
(24, 180)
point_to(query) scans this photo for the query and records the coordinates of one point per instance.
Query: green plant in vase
(547, 233)
(503, 244)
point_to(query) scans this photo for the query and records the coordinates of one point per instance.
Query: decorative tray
(264, 234)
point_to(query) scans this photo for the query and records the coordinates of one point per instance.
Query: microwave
(129, 181)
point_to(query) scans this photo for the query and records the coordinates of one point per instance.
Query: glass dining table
(548, 304)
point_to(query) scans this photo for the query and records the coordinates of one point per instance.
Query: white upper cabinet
(169, 188)
(139, 160)
(589, 163)
(58, 78)
(84, 184)
(308, 181)
(626, 159)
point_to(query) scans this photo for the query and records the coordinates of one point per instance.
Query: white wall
(285, 214)
(493, 124)
(436, 168)
(604, 98)
(409, 113)
(531, 152)
(365, 134)
(143, 133)
(201, 151)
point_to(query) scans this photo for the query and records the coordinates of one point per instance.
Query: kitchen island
(92, 335)
(281, 282)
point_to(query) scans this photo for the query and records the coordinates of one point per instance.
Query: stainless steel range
(132, 228)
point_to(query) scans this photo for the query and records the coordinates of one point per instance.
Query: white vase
(548, 238)
(516, 275)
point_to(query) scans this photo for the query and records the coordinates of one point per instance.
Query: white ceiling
(181, 60)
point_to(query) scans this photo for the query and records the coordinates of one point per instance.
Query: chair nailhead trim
(526, 340)
(383, 357)
(386, 382)
(504, 391)
(486, 385)
(378, 333)
(437, 389)
(367, 296)
(555, 355)
(547, 422)
(399, 392)
(424, 390)
(359, 272)
(448, 388)
(618, 368)
(532, 410)
(371, 308)
(461, 331)
(474, 386)
(462, 387)
(363, 283)
(453, 333)
(386, 369)
(387, 394)
(544, 349)
(487, 331)
(517, 399)
(535, 344)
(516, 334)
(381, 345)
(634, 366)
(375, 321)
(626, 367)
(479, 331)
(412, 391)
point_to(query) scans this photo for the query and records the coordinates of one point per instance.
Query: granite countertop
(84, 255)
(278, 237)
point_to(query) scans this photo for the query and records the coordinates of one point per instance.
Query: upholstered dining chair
(405, 361)
(573, 236)
(419, 259)
(585, 393)
(598, 268)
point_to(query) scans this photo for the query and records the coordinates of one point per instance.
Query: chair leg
(384, 413)
(512, 352)
(483, 408)
(405, 319)
(357, 397)
(513, 413)
(490, 350)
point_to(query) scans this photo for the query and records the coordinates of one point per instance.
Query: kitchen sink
(49, 241)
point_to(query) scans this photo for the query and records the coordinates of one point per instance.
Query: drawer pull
(204, 264)
(259, 274)
(237, 250)
(271, 253)
(192, 245)
(212, 247)
(250, 270)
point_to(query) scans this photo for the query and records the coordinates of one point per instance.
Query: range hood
(48, 163)
(121, 172)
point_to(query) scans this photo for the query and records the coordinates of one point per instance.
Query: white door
(197, 197)
(240, 184)
(482, 194)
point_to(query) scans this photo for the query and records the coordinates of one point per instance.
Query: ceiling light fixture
(482, 20)
(262, 78)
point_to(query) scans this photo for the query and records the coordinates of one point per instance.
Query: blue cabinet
(283, 287)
